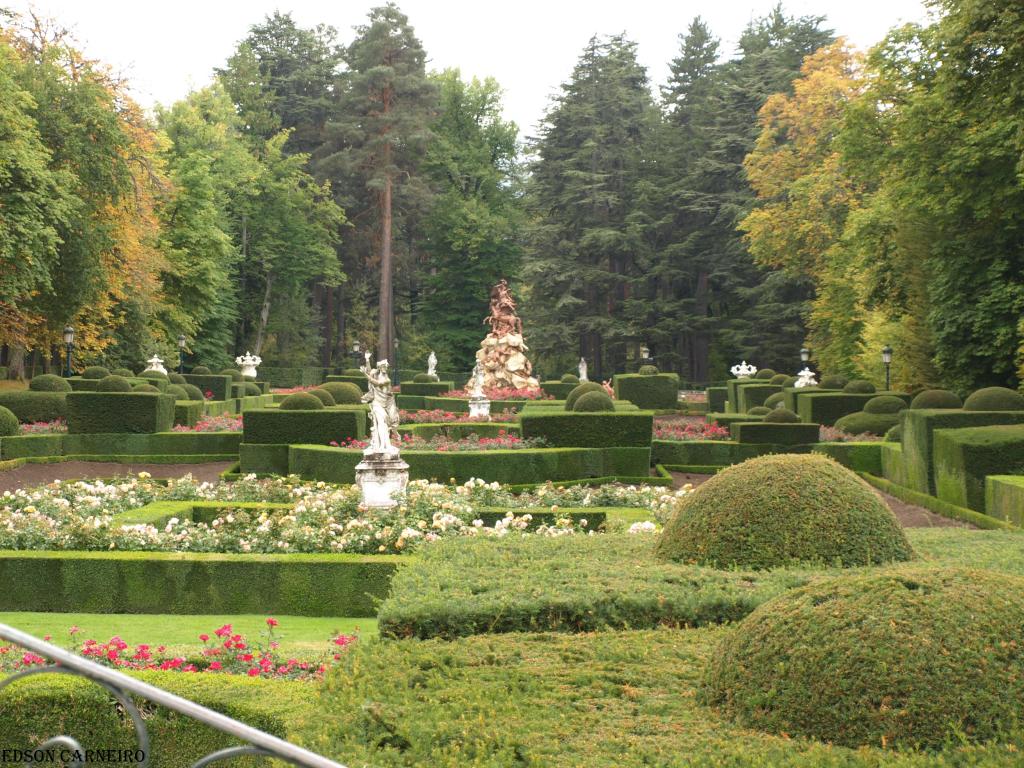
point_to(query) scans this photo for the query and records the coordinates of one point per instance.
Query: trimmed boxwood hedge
(110, 412)
(49, 382)
(187, 412)
(824, 407)
(774, 434)
(263, 459)
(558, 389)
(359, 381)
(964, 457)
(459, 431)
(716, 398)
(753, 395)
(427, 388)
(657, 392)
(220, 386)
(718, 453)
(9, 425)
(728, 419)
(872, 423)
(343, 393)
(1004, 498)
(161, 444)
(282, 427)
(588, 430)
(31, 406)
(860, 457)
(193, 583)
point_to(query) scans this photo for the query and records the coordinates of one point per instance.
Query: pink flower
(204, 637)
(223, 631)
(215, 665)
(271, 622)
(253, 672)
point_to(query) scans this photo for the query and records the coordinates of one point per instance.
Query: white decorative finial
(743, 370)
(248, 363)
(806, 379)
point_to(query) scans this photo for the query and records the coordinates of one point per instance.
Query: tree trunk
(264, 317)
(700, 345)
(343, 361)
(385, 318)
(327, 296)
(16, 362)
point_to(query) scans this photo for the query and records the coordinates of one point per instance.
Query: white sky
(167, 49)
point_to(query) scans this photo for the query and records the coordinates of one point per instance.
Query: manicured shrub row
(343, 392)
(280, 426)
(752, 395)
(459, 431)
(728, 419)
(35, 406)
(359, 380)
(706, 452)
(124, 444)
(558, 389)
(716, 398)
(654, 392)
(964, 457)
(219, 385)
(779, 510)
(828, 407)
(49, 382)
(588, 430)
(109, 412)
(292, 377)
(1004, 498)
(921, 657)
(158, 582)
(187, 412)
(860, 457)
(945, 509)
(428, 388)
(526, 465)
(34, 710)
(774, 434)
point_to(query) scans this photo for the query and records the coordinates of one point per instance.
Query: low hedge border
(764, 433)
(194, 583)
(860, 457)
(110, 412)
(427, 388)
(557, 389)
(1004, 498)
(132, 445)
(30, 406)
(827, 407)
(157, 513)
(939, 507)
(694, 469)
(964, 457)
(359, 381)
(588, 430)
(720, 453)
(728, 419)
(275, 426)
(660, 391)
(220, 386)
(459, 431)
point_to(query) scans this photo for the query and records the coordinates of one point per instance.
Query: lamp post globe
(887, 361)
(805, 354)
(356, 352)
(69, 345)
(181, 352)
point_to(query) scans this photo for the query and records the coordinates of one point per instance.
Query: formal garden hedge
(905, 658)
(716, 398)
(828, 407)
(194, 583)
(169, 446)
(277, 425)
(753, 395)
(657, 392)
(588, 430)
(774, 434)
(31, 406)
(109, 412)
(1004, 498)
(964, 457)
(188, 412)
(427, 388)
(457, 431)
(728, 419)
(718, 453)
(359, 381)
(217, 384)
(860, 457)
(558, 389)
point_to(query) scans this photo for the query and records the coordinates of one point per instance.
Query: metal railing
(123, 687)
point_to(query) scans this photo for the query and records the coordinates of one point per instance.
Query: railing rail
(123, 687)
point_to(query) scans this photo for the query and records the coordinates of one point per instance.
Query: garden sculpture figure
(583, 369)
(383, 410)
(432, 364)
(502, 353)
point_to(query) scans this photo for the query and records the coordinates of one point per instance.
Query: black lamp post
(69, 345)
(356, 356)
(805, 355)
(181, 352)
(394, 366)
(887, 360)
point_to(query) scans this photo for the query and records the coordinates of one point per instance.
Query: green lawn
(299, 635)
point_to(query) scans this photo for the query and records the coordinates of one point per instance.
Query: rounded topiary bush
(773, 401)
(177, 390)
(128, 373)
(323, 396)
(759, 410)
(766, 374)
(235, 375)
(593, 402)
(252, 390)
(994, 399)
(301, 401)
(867, 423)
(351, 372)
(579, 391)
(833, 382)
(570, 378)
(783, 509)
(778, 379)
(95, 372)
(935, 398)
(343, 392)
(885, 404)
(790, 381)
(648, 370)
(48, 382)
(146, 388)
(424, 378)
(781, 416)
(192, 392)
(859, 387)
(909, 657)
(895, 434)
(9, 425)
(154, 375)
(114, 383)
(201, 370)
(176, 378)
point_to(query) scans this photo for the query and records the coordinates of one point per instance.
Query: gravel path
(30, 475)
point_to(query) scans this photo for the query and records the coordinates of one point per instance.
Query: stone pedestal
(381, 477)
(479, 407)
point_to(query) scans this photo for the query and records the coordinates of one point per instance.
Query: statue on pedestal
(503, 351)
(382, 473)
(479, 405)
(432, 364)
(583, 369)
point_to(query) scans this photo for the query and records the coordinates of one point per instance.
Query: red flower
(204, 637)
(271, 622)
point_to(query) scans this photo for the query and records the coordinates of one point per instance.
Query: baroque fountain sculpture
(382, 473)
(502, 353)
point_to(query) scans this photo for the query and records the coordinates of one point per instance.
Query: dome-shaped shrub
(235, 375)
(781, 416)
(909, 657)
(781, 509)
(773, 401)
(323, 396)
(252, 390)
(343, 392)
(154, 375)
(895, 434)
(870, 423)
(593, 402)
(95, 372)
(885, 404)
(790, 381)
(648, 370)
(859, 387)
(192, 392)
(114, 383)
(994, 399)
(832, 382)
(176, 378)
(759, 410)
(201, 370)
(765, 374)
(935, 398)
(177, 390)
(9, 425)
(570, 378)
(424, 378)
(48, 382)
(301, 401)
(778, 379)
(146, 388)
(352, 372)
(579, 390)
(128, 373)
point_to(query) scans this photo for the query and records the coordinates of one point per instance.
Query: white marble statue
(156, 364)
(476, 381)
(479, 405)
(806, 379)
(743, 370)
(383, 410)
(248, 363)
(432, 364)
(583, 369)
